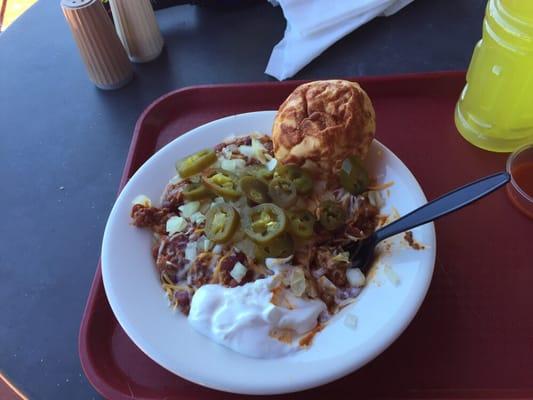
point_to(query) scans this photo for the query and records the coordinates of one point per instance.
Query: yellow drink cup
(495, 110)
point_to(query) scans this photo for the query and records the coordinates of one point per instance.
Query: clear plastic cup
(520, 189)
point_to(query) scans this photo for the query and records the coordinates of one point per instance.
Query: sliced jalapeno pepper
(279, 247)
(301, 223)
(264, 222)
(195, 191)
(282, 192)
(259, 171)
(195, 163)
(353, 175)
(254, 189)
(332, 215)
(222, 183)
(222, 222)
(301, 179)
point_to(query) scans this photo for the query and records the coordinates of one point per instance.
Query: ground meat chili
(151, 217)
(186, 259)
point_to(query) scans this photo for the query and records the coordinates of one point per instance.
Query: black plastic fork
(362, 252)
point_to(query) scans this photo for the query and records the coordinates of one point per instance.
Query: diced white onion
(259, 150)
(232, 165)
(256, 150)
(226, 152)
(247, 247)
(247, 151)
(219, 219)
(393, 276)
(197, 217)
(271, 165)
(218, 249)
(217, 200)
(355, 277)
(238, 272)
(204, 244)
(175, 224)
(278, 264)
(228, 165)
(350, 321)
(142, 200)
(375, 198)
(189, 208)
(190, 251)
(175, 179)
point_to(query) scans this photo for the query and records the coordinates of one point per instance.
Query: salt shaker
(100, 48)
(137, 29)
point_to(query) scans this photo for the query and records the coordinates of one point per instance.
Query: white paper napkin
(314, 25)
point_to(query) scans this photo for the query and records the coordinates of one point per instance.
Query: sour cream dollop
(243, 317)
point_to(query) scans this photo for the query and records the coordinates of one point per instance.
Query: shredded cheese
(297, 281)
(256, 150)
(381, 186)
(392, 275)
(342, 257)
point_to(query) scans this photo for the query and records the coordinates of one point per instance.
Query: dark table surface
(63, 144)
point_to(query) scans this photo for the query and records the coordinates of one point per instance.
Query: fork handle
(445, 204)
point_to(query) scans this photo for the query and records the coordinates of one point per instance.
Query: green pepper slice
(282, 191)
(222, 222)
(222, 183)
(264, 222)
(301, 223)
(332, 215)
(279, 247)
(196, 191)
(195, 163)
(353, 175)
(301, 179)
(254, 189)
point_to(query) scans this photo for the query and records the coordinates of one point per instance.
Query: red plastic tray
(473, 336)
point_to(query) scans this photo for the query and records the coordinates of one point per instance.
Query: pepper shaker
(137, 29)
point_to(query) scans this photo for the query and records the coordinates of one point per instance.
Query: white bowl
(383, 310)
